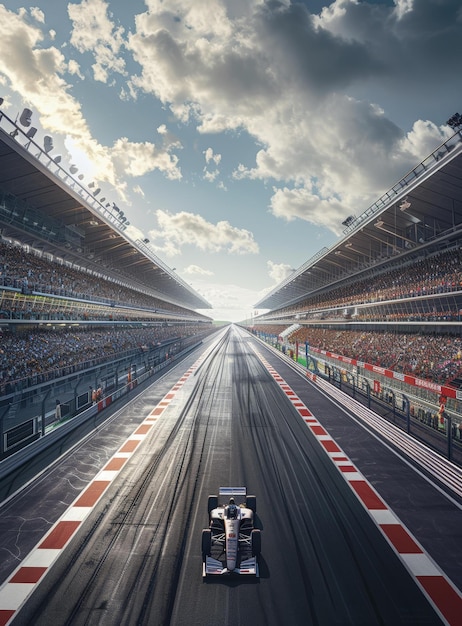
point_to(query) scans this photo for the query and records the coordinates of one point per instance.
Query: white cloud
(301, 203)
(74, 68)
(195, 270)
(278, 271)
(169, 140)
(37, 14)
(210, 156)
(289, 79)
(36, 73)
(423, 138)
(136, 159)
(134, 233)
(211, 176)
(181, 229)
(94, 32)
(403, 7)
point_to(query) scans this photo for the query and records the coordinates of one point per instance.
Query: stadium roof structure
(50, 209)
(422, 211)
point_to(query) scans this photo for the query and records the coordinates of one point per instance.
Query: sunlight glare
(80, 159)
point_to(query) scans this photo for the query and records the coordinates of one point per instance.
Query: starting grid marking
(22, 582)
(436, 586)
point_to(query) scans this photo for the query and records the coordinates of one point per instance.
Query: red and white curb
(23, 581)
(436, 586)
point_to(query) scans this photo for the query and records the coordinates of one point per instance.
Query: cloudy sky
(236, 134)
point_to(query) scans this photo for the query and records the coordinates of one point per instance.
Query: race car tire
(255, 542)
(212, 503)
(251, 503)
(206, 542)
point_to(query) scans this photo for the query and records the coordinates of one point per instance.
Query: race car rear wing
(233, 492)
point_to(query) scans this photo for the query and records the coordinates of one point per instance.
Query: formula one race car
(231, 545)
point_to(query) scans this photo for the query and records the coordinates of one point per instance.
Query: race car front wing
(213, 567)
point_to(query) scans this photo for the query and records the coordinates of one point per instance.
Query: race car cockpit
(231, 510)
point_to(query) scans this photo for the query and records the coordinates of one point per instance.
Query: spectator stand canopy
(421, 213)
(51, 209)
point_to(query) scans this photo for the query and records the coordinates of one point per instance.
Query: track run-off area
(352, 532)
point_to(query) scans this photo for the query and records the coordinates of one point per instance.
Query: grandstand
(65, 252)
(78, 297)
(382, 308)
(49, 211)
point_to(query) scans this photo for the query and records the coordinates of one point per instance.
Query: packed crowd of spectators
(16, 306)
(29, 272)
(432, 357)
(36, 353)
(434, 275)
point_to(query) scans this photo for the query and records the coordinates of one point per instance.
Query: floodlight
(349, 220)
(455, 121)
(26, 117)
(47, 143)
(30, 133)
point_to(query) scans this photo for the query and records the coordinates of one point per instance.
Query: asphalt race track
(136, 557)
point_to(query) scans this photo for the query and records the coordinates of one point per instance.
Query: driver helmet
(232, 509)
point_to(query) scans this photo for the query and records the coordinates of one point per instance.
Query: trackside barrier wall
(57, 433)
(425, 395)
(428, 409)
